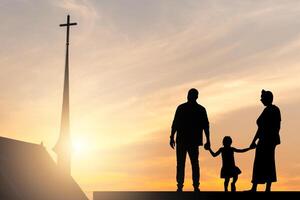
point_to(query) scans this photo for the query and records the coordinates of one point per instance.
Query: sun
(79, 146)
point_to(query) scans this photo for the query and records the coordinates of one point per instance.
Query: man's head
(192, 95)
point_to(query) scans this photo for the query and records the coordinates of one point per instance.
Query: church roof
(27, 171)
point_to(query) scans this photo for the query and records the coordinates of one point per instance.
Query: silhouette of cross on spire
(63, 145)
(68, 24)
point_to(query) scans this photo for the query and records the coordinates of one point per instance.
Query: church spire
(63, 145)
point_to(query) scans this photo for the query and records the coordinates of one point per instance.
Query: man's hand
(172, 143)
(207, 146)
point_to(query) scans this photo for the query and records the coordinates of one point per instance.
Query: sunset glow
(131, 64)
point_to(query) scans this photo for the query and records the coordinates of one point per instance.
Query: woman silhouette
(267, 134)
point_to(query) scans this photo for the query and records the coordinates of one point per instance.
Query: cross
(68, 24)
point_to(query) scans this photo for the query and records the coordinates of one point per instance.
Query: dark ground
(123, 195)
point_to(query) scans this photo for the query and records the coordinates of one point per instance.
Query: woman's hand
(253, 145)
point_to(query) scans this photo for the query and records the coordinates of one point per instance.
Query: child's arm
(241, 150)
(214, 154)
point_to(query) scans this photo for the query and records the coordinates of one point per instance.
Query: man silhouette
(189, 122)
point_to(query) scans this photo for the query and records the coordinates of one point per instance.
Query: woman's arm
(215, 154)
(253, 143)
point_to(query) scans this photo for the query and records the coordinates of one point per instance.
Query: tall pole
(63, 145)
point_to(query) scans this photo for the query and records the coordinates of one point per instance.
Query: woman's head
(227, 141)
(266, 97)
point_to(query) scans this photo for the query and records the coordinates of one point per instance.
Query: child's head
(227, 141)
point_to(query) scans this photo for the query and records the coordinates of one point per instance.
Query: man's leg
(181, 157)
(194, 157)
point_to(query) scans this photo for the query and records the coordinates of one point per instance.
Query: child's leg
(226, 184)
(234, 180)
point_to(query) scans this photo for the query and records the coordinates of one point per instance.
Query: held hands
(207, 146)
(172, 142)
(252, 145)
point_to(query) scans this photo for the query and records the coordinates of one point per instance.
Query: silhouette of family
(191, 120)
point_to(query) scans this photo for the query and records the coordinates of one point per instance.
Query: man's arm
(206, 130)
(207, 135)
(172, 141)
(174, 129)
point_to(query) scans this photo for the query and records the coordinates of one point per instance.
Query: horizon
(131, 65)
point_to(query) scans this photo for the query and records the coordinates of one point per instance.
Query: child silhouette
(229, 169)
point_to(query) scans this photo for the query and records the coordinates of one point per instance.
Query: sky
(131, 64)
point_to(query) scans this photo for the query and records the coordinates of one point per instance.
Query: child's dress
(228, 168)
